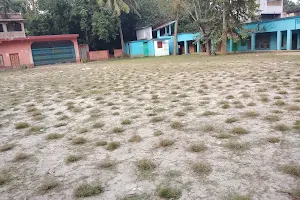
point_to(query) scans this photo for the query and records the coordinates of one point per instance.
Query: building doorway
(14, 60)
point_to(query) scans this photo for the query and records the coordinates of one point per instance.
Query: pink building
(17, 50)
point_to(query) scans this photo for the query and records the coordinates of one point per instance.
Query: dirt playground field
(185, 127)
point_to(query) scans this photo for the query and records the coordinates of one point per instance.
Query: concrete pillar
(289, 40)
(4, 27)
(198, 47)
(158, 33)
(170, 30)
(166, 31)
(298, 40)
(186, 47)
(279, 40)
(230, 45)
(253, 41)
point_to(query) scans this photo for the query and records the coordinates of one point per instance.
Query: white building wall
(144, 34)
(270, 9)
(164, 51)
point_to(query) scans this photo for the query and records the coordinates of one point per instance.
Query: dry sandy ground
(204, 127)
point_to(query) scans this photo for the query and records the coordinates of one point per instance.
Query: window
(159, 45)
(274, 2)
(1, 60)
(1, 28)
(14, 26)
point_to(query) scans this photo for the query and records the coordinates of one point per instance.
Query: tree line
(105, 24)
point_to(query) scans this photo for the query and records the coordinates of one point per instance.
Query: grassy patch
(272, 118)
(239, 131)
(176, 125)
(107, 164)
(98, 125)
(281, 128)
(47, 185)
(54, 136)
(5, 177)
(237, 146)
(157, 133)
(61, 124)
(126, 122)
(209, 113)
(21, 157)
(166, 142)
(223, 136)
(297, 126)
(118, 130)
(180, 113)
(113, 146)
(208, 128)
(295, 193)
(145, 167)
(135, 138)
(237, 197)
(279, 103)
(22, 125)
(78, 140)
(197, 147)
(201, 169)
(167, 192)
(88, 190)
(7, 147)
(291, 169)
(36, 129)
(83, 130)
(101, 143)
(251, 114)
(157, 119)
(231, 120)
(72, 158)
(273, 139)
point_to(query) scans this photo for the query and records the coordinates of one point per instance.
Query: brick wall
(99, 55)
(118, 53)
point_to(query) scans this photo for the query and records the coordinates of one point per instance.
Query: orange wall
(118, 53)
(23, 48)
(99, 55)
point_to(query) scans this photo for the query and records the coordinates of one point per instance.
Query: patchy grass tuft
(7, 147)
(88, 190)
(272, 118)
(118, 130)
(126, 122)
(98, 125)
(135, 138)
(231, 120)
(281, 128)
(167, 192)
(237, 146)
(201, 169)
(22, 125)
(113, 146)
(157, 119)
(107, 164)
(166, 142)
(54, 136)
(5, 177)
(197, 147)
(48, 185)
(209, 113)
(223, 136)
(21, 157)
(295, 193)
(251, 114)
(239, 131)
(291, 169)
(279, 103)
(180, 113)
(273, 139)
(72, 158)
(176, 125)
(101, 143)
(157, 133)
(78, 140)
(145, 166)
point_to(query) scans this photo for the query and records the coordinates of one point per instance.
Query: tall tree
(119, 7)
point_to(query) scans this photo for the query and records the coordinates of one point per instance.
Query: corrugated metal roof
(164, 25)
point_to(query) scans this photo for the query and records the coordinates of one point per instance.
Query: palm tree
(119, 6)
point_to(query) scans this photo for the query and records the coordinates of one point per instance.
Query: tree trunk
(224, 33)
(122, 37)
(176, 35)
(208, 45)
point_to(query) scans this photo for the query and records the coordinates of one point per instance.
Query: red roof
(42, 38)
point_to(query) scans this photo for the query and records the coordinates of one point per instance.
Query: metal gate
(45, 53)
